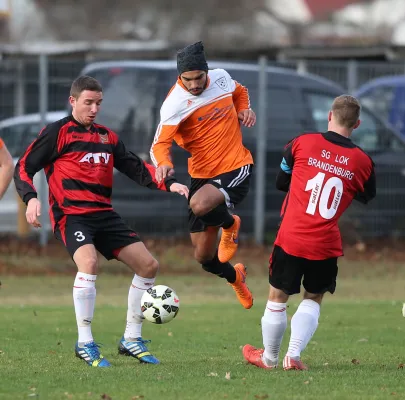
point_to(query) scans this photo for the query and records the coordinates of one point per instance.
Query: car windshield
(17, 137)
(379, 99)
(371, 135)
(132, 101)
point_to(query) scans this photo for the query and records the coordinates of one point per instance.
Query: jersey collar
(81, 127)
(340, 140)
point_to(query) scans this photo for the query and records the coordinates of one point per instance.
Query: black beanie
(192, 58)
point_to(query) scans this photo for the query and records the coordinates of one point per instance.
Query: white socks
(303, 325)
(134, 314)
(84, 298)
(274, 324)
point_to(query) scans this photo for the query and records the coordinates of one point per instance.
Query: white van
(17, 133)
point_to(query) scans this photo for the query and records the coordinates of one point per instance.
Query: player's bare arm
(33, 212)
(163, 172)
(241, 101)
(145, 174)
(247, 117)
(6, 169)
(180, 189)
(160, 151)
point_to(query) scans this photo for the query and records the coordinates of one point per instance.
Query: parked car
(18, 133)
(385, 214)
(386, 97)
(135, 90)
(133, 94)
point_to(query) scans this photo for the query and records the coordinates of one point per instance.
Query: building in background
(226, 25)
(5, 14)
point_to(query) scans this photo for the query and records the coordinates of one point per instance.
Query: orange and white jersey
(1, 143)
(206, 126)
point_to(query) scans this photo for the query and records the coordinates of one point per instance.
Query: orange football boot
(255, 356)
(289, 363)
(239, 286)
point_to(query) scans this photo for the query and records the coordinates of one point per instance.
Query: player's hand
(247, 118)
(162, 172)
(33, 212)
(180, 189)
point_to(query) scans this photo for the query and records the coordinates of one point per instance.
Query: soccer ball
(160, 304)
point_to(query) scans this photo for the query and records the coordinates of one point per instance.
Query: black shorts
(234, 185)
(286, 273)
(105, 230)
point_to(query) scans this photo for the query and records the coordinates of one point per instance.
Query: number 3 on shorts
(79, 236)
(321, 193)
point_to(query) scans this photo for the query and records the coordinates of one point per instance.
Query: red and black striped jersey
(79, 165)
(322, 173)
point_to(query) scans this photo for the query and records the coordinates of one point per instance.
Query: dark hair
(82, 83)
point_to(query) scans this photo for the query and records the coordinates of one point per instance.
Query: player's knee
(208, 261)
(203, 257)
(151, 268)
(200, 206)
(88, 264)
(317, 297)
(277, 295)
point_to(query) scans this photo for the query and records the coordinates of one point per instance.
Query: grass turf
(357, 352)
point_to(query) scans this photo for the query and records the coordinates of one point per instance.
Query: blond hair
(346, 110)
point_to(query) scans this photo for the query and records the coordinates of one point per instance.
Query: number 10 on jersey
(320, 195)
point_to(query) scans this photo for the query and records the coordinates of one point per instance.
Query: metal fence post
(19, 97)
(352, 78)
(43, 108)
(23, 227)
(302, 67)
(260, 161)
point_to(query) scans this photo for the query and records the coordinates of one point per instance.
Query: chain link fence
(350, 75)
(287, 102)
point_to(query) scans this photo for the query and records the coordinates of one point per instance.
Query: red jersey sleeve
(369, 188)
(42, 152)
(138, 170)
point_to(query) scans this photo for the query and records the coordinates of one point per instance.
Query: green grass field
(357, 352)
